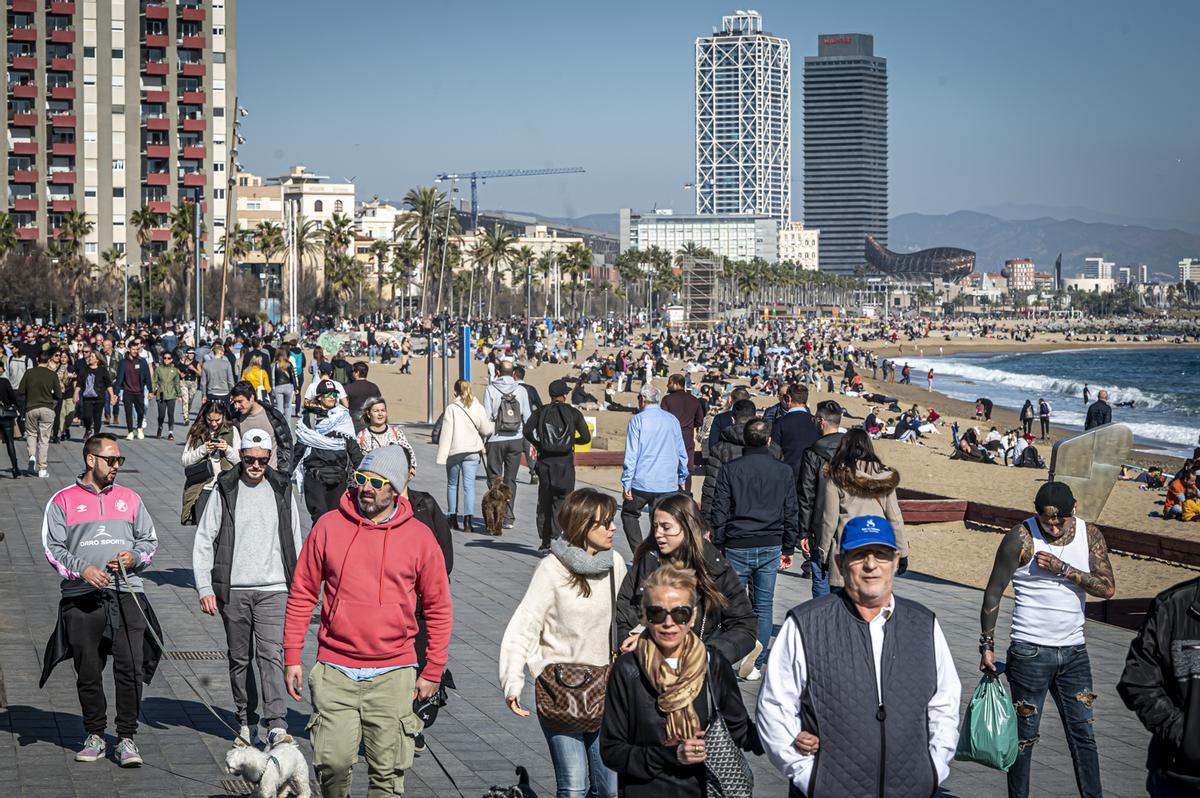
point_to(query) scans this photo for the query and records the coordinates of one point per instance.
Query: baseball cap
(256, 439)
(868, 530)
(559, 388)
(1057, 495)
(326, 386)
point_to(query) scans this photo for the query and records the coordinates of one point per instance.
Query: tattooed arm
(1099, 580)
(1015, 550)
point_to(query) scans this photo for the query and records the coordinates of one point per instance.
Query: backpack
(1031, 459)
(341, 373)
(555, 432)
(508, 414)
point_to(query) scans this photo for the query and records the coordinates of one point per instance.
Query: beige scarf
(677, 687)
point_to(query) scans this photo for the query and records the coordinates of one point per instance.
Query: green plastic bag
(989, 731)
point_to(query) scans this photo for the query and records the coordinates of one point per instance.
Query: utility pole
(196, 258)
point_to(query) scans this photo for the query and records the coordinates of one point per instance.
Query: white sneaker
(747, 663)
(141, 433)
(44, 474)
(246, 733)
(754, 675)
(129, 437)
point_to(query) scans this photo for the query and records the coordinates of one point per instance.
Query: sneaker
(93, 749)
(43, 474)
(127, 754)
(170, 436)
(32, 467)
(278, 737)
(747, 663)
(754, 675)
(533, 480)
(141, 433)
(419, 742)
(508, 524)
(129, 437)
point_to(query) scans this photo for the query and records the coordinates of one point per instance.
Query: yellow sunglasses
(361, 479)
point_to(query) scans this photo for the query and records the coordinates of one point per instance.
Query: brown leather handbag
(570, 695)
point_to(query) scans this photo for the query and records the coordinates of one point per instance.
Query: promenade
(477, 739)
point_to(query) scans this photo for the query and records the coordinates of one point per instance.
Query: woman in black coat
(661, 698)
(726, 620)
(9, 410)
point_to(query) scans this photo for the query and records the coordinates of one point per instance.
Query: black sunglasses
(111, 459)
(259, 461)
(681, 614)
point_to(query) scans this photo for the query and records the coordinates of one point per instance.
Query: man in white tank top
(1053, 560)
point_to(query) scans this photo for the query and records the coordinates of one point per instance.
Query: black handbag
(427, 709)
(197, 473)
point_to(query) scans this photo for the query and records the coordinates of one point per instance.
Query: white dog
(275, 773)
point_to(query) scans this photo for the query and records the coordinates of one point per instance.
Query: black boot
(468, 524)
(454, 523)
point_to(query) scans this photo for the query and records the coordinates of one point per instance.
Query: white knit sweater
(553, 623)
(463, 429)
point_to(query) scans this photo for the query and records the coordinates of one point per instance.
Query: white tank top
(1049, 609)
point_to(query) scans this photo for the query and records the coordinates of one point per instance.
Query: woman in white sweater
(460, 449)
(566, 617)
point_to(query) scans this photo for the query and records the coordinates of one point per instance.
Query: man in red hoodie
(375, 559)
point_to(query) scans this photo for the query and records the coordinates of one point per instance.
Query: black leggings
(1045, 425)
(166, 410)
(1027, 423)
(6, 432)
(134, 401)
(91, 410)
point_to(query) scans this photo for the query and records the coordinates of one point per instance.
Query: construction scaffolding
(701, 278)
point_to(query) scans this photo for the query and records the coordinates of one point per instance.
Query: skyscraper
(845, 148)
(115, 106)
(744, 120)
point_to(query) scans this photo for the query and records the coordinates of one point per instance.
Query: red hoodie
(373, 574)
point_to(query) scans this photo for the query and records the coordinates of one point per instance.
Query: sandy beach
(948, 551)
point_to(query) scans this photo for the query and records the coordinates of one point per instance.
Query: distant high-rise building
(113, 107)
(1098, 269)
(1020, 273)
(800, 246)
(1125, 275)
(744, 120)
(1141, 273)
(1189, 270)
(845, 147)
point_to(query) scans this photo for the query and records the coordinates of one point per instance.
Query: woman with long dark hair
(725, 619)
(210, 449)
(1028, 414)
(853, 484)
(93, 392)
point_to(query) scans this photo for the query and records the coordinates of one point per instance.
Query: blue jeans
(1066, 673)
(820, 578)
(578, 769)
(757, 567)
(461, 467)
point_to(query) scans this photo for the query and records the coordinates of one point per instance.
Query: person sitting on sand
(611, 403)
(1191, 505)
(1177, 493)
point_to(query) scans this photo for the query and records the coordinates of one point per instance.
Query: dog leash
(237, 735)
(453, 783)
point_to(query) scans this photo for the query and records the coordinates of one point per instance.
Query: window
(218, 193)
(118, 81)
(118, 164)
(89, 248)
(119, 219)
(119, 246)
(118, 24)
(218, 30)
(219, 57)
(118, 52)
(254, 205)
(218, 85)
(337, 206)
(319, 206)
(89, 80)
(118, 110)
(218, 166)
(118, 191)
(218, 111)
(89, 52)
(89, 137)
(89, 193)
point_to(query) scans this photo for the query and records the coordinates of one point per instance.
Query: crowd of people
(635, 664)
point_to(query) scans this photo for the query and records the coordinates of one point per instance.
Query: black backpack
(555, 430)
(508, 414)
(1031, 459)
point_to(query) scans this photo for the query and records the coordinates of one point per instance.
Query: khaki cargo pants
(377, 713)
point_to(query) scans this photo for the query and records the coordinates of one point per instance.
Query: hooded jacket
(730, 442)
(808, 486)
(871, 491)
(373, 574)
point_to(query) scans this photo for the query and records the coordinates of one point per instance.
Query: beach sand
(949, 551)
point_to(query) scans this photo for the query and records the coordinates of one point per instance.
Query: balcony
(191, 42)
(63, 64)
(62, 93)
(64, 178)
(24, 175)
(195, 70)
(24, 148)
(160, 234)
(196, 152)
(193, 98)
(191, 13)
(157, 123)
(195, 125)
(67, 8)
(63, 148)
(158, 151)
(27, 233)
(156, 68)
(23, 62)
(157, 40)
(159, 206)
(62, 205)
(158, 179)
(62, 120)
(23, 91)
(155, 11)
(23, 34)
(22, 120)
(26, 205)
(157, 96)
(23, 6)
(195, 180)
(62, 36)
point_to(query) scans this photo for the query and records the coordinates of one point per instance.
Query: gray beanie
(389, 462)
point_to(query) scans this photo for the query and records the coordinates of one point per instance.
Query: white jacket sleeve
(777, 716)
(524, 630)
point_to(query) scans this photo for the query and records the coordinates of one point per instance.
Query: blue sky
(1060, 103)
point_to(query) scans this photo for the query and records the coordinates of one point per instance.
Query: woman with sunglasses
(327, 448)
(211, 448)
(566, 617)
(726, 620)
(662, 695)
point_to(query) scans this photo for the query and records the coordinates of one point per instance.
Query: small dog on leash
(274, 773)
(495, 507)
(520, 790)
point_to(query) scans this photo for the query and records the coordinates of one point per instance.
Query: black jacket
(566, 419)
(223, 545)
(795, 432)
(1161, 683)
(427, 511)
(1098, 414)
(59, 649)
(283, 440)
(729, 445)
(731, 630)
(755, 503)
(808, 484)
(633, 730)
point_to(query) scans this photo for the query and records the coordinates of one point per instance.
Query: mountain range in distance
(1024, 231)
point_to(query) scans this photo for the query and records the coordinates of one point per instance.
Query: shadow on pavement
(492, 543)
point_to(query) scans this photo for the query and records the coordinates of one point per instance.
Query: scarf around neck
(578, 561)
(677, 687)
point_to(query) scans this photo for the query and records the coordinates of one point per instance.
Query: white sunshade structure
(744, 120)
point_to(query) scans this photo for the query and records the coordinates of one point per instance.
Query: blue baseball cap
(868, 530)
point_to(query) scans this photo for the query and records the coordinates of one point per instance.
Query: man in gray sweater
(216, 376)
(245, 551)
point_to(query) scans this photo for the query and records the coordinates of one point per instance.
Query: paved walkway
(476, 737)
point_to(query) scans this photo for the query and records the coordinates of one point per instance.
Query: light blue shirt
(655, 459)
(366, 674)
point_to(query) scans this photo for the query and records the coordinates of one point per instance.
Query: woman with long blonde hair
(464, 426)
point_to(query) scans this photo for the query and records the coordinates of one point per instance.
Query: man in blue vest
(885, 697)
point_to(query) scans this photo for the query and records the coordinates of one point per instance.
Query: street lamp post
(196, 257)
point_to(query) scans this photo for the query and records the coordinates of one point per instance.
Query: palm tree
(112, 258)
(545, 267)
(8, 234)
(428, 215)
(404, 265)
(74, 227)
(524, 258)
(577, 262)
(497, 251)
(182, 241)
(337, 234)
(268, 239)
(343, 274)
(380, 249)
(143, 221)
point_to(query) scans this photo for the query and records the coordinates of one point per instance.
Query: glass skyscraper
(744, 120)
(845, 148)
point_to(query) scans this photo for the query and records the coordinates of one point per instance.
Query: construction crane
(475, 177)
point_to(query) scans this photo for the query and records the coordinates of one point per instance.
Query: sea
(1163, 385)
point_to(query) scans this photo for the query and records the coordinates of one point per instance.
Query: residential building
(115, 106)
(744, 120)
(377, 219)
(1096, 285)
(1043, 282)
(257, 201)
(1098, 269)
(845, 148)
(800, 245)
(1189, 270)
(540, 238)
(734, 236)
(316, 199)
(1125, 276)
(1141, 273)
(1020, 273)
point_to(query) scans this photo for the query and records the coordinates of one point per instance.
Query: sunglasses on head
(258, 461)
(681, 614)
(111, 459)
(361, 479)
